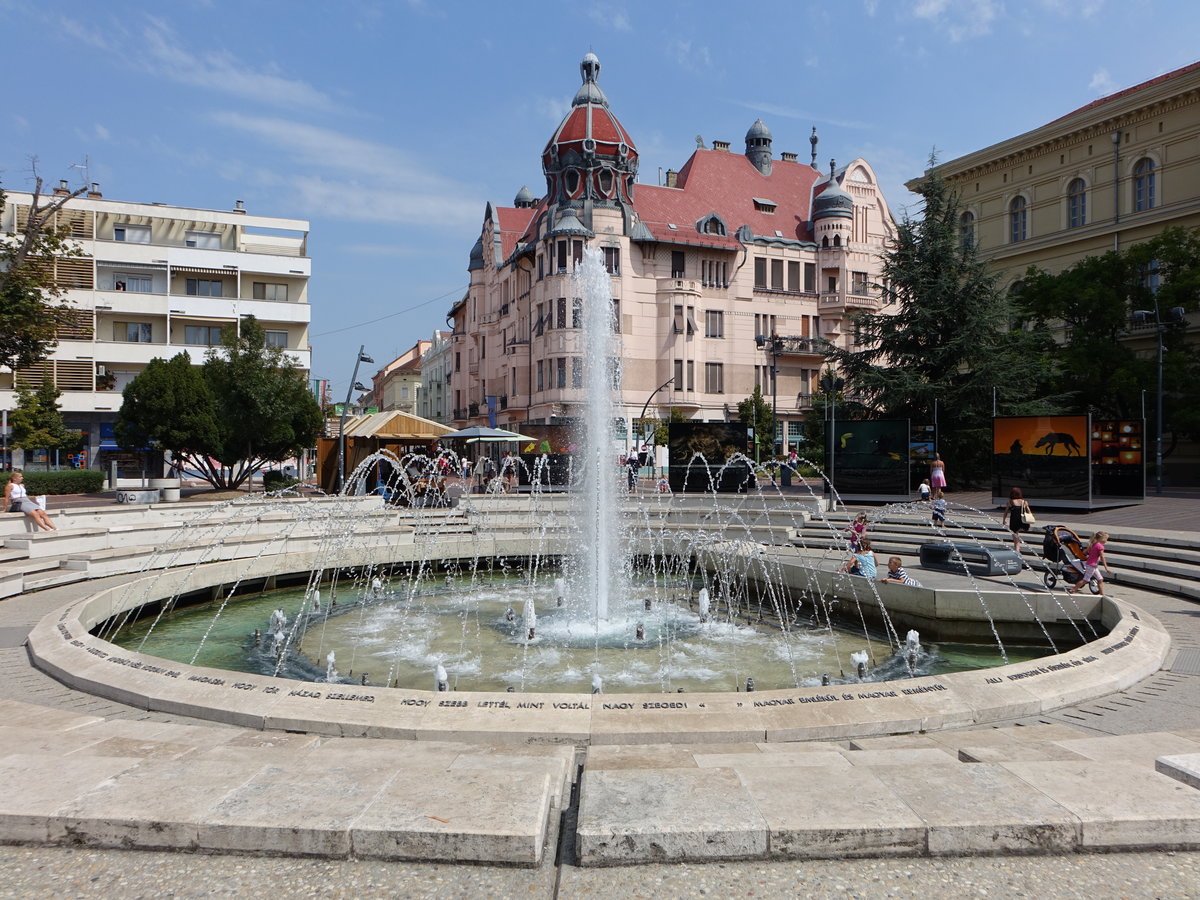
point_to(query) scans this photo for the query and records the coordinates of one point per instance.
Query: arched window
(1018, 220)
(825, 241)
(837, 240)
(966, 230)
(1143, 184)
(1076, 203)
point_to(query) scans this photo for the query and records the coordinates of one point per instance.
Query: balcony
(835, 300)
(678, 286)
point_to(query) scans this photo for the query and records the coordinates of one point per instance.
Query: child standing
(857, 531)
(938, 511)
(1095, 559)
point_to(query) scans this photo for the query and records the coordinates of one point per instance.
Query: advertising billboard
(1118, 459)
(701, 455)
(871, 459)
(1045, 456)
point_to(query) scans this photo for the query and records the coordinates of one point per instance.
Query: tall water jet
(597, 475)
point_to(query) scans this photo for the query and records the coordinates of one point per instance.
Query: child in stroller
(1063, 550)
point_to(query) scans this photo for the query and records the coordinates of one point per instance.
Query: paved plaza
(1092, 761)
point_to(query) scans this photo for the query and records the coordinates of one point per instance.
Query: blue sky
(389, 125)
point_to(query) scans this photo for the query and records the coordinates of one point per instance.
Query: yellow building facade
(1108, 175)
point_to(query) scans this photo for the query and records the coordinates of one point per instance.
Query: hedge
(65, 481)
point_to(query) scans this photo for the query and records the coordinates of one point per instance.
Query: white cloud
(787, 112)
(349, 178)
(1101, 83)
(690, 56)
(610, 15)
(165, 56)
(219, 71)
(552, 109)
(961, 20)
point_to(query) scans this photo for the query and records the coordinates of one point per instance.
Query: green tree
(247, 406)
(755, 412)
(945, 337)
(29, 311)
(169, 406)
(1088, 308)
(37, 422)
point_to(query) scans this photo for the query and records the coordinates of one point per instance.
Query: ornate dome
(758, 130)
(524, 198)
(833, 202)
(590, 156)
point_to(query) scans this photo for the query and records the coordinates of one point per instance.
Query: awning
(394, 425)
(196, 270)
(121, 264)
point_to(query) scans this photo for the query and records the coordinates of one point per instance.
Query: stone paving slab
(982, 809)
(1183, 767)
(1036, 750)
(1119, 804)
(157, 804)
(34, 787)
(852, 813)
(916, 756)
(1142, 748)
(467, 815)
(667, 815)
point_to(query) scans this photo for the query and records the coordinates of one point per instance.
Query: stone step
(119, 783)
(759, 812)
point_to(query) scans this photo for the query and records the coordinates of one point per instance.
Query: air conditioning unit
(101, 371)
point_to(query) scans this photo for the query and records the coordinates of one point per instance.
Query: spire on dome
(813, 140)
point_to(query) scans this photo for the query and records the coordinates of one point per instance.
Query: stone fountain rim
(1134, 647)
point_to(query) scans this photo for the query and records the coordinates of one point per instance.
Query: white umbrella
(478, 433)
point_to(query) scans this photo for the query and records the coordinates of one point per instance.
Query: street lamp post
(646, 406)
(1151, 318)
(773, 344)
(831, 385)
(354, 386)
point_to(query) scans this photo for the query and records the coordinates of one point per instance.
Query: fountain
(662, 592)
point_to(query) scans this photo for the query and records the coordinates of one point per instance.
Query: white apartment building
(154, 281)
(434, 400)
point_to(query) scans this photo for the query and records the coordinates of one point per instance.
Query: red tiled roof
(728, 184)
(513, 224)
(1130, 90)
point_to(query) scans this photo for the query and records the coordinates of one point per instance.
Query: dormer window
(712, 224)
(764, 206)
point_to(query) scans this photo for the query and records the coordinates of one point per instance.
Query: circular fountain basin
(1132, 646)
(474, 629)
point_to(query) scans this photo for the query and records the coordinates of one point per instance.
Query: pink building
(737, 265)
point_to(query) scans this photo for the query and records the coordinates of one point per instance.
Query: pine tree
(943, 337)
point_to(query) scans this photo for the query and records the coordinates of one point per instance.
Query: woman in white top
(17, 499)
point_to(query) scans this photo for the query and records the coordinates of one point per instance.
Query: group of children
(862, 557)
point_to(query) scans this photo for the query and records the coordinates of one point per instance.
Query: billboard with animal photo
(871, 459)
(1047, 457)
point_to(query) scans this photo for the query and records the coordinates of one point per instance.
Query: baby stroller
(1064, 552)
